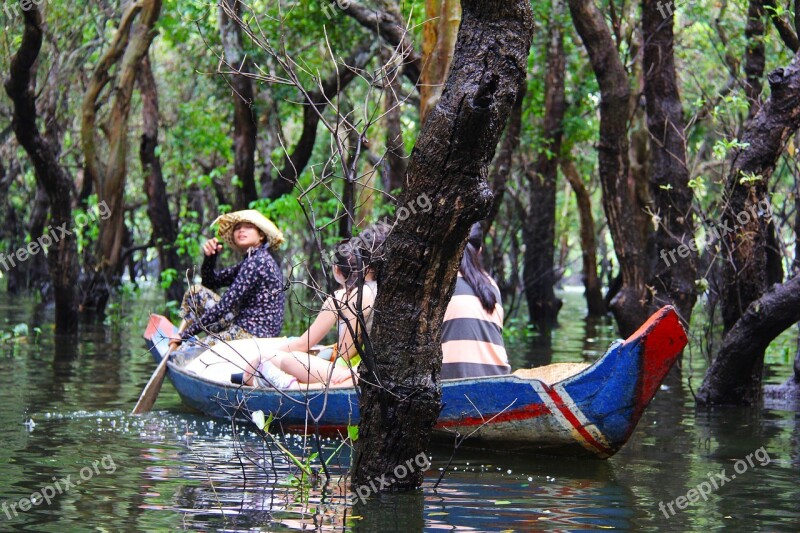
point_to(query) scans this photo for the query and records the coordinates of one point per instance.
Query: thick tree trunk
(439, 34)
(538, 230)
(673, 281)
(734, 376)
(400, 388)
(128, 47)
(593, 287)
(62, 257)
(245, 122)
(164, 230)
(622, 195)
(746, 221)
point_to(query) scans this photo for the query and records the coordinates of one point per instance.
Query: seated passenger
(253, 305)
(349, 309)
(472, 330)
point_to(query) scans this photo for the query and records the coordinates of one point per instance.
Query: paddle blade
(153, 387)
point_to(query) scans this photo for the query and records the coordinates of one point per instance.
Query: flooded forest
(435, 220)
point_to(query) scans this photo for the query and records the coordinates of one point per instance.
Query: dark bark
(294, 163)
(594, 294)
(12, 229)
(623, 200)
(389, 26)
(673, 281)
(501, 167)
(400, 388)
(754, 56)
(35, 268)
(245, 121)
(61, 256)
(164, 230)
(746, 270)
(538, 230)
(734, 376)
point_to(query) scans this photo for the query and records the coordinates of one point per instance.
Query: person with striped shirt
(472, 330)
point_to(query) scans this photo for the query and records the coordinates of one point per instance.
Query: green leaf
(352, 433)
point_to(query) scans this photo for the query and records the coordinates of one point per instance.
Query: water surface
(64, 411)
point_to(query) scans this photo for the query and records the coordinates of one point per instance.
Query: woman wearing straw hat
(253, 305)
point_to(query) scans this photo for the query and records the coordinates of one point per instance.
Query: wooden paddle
(153, 387)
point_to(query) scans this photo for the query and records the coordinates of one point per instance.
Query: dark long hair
(356, 256)
(474, 273)
(349, 259)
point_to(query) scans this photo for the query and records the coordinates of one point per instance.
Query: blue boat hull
(592, 412)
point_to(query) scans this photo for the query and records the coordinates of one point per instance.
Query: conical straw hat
(228, 221)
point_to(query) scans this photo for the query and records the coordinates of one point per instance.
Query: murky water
(68, 437)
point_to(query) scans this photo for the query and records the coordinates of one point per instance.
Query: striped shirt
(472, 338)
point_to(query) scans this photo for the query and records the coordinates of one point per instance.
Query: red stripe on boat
(529, 411)
(572, 419)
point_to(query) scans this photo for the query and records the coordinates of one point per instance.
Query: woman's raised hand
(211, 247)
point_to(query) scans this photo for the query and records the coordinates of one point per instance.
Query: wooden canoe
(559, 409)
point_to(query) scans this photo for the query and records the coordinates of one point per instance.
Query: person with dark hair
(253, 304)
(472, 330)
(349, 308)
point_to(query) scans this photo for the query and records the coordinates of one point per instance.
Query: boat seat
(551, 374)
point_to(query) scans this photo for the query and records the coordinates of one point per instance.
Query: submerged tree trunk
(673, 281)
(735, 374)
(164, 230)
(622, 195)
(62, 258)
(400, 388)
(593, 287)
(539, 228)
(128, 47)
(245, 122)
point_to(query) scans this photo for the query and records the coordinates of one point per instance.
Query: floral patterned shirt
(255, 297)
